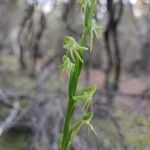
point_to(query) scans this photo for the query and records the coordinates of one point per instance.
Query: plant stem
(72, 90)
(74, 76)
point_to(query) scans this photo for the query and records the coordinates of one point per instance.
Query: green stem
(74, 76)
(72, 90)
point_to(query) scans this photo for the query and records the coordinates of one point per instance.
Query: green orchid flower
(85, 120)
(75, 49)
(67, 65)
(83, 4)
(95, 29)
(76, 52)
(86, 95)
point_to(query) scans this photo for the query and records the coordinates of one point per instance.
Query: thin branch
(6, 124)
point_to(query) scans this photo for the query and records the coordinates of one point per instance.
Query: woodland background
(33, 95)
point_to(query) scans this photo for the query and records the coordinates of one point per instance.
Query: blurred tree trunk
(113, 53)
(36, 52)
(26, 20)
(30, 35)
(114, 59)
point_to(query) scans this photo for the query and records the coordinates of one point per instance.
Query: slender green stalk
(74, 73)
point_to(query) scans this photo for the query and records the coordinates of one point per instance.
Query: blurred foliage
(136, 128)
(17, 139)
(134, 125)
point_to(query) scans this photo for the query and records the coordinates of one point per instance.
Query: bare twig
(6, 124)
